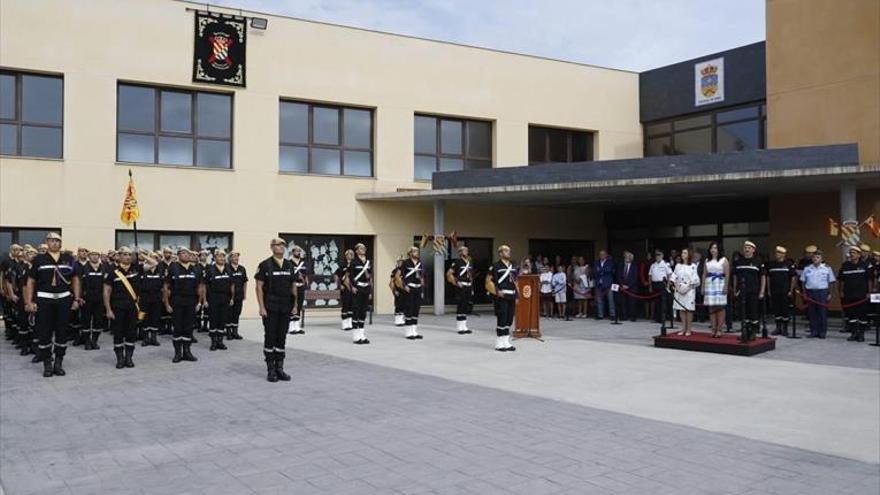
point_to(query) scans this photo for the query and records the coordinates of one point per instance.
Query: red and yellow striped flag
(130, 211)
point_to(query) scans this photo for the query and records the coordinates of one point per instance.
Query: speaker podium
(528, 307)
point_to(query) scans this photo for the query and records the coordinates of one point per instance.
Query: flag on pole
(130, 211)
(833, 228)
(873, 225)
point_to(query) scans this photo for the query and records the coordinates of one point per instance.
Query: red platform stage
(728, 343)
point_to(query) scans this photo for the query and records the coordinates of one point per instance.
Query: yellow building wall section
(98, 43)
(823, 74)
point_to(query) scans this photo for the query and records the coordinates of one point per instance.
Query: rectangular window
(31, 115)
(552, 145)
(157, 240)
(21, 236)
(325, 140)
(323, 254)
(173, 127)
(444, 144)
(733, 129)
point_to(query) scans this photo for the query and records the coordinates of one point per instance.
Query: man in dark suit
(603, 274)
(628, 280)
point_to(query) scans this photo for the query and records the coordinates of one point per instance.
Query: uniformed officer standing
(76, 326)
(781, 281)
(239, 280)
(221, 292)
(183, 296)
(276, 296)
(360, 281)
(166, 327)
(122, 288)
(10, 296)
(816, 281)
(56, 287)
(855, 281)
(461, 275)
(749, 287)
(501, 284)
(345, 296)
(203, 319)
(151, 299)
(411, 271)
(92, 275)
(806, 260)
(395, 284)
(301, 281)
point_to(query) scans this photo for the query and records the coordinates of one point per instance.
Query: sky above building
(624, 34)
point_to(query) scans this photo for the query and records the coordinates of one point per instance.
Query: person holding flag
(122, 288)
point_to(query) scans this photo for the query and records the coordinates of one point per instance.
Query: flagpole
(135, 230)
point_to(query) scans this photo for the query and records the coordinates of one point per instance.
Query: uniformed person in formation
(396, 286)
(874, 308)
(166, 326)
(749, 287)
(501, 284)
(276, 297)
(301, 281)
(92, 275)
(461, 275)
(122, 287)
(14, 279)
(9, 296)
(220, 294)
(781, 281)
(411, 287)
(239, 280)
(52, 291)
(183, 296)
(151, 299)
(76, 326)
(855, 280)
(359, 282)
(203, 319)
(345, 296)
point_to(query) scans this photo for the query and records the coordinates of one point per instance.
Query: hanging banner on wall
(220, 43)
(709, 82)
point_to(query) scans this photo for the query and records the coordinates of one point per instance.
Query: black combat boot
(271, 374)
(58, 369)
(120, 359)
(220, 345)
(95, 335)
(235, 334)
(229, 334)
(279, 369)
(48, 369)
(129, 352)
(178, 356)
(154, 338)
(853, 329)
(187, 352)
(146, 340)
(863, 327)
(213, 341)
(87, 340)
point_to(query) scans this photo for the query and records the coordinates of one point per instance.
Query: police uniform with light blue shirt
(817, 279)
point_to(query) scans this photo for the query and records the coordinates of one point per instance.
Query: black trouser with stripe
(360, 302)
(153, 310)
(275, 333)
(218, 312)
(124, 324)
(53, 320)
(346, 300)
(858, 314)
(413, 305)
(505, 307)
(92, 317)
(464, 302)
(779, 305)
(399, 306)
(300, 297)
(183, 317)
(235, 312)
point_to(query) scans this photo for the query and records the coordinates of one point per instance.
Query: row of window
(737, 129)
(169, 126)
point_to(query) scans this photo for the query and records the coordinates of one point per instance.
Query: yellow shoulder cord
(130, 289)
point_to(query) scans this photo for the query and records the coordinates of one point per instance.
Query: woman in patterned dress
(715, 278)
(685, 280)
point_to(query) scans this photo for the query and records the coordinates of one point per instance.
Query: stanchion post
(763, 307)
(615, 298)
(876, 331)
(663, 313)
(793, 314)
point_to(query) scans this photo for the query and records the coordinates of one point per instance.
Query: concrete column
(439, 275)
(847, 207)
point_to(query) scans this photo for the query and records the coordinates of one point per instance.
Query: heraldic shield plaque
(528, 307)
(219, 49)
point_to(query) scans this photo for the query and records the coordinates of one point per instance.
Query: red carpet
(728, 343)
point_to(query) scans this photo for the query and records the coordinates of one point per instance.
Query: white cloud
(626, 34)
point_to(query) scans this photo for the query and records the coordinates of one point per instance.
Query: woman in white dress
(684, 282)
(715, 278)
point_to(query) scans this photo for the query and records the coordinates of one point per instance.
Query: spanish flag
(130, 211)
(833, 228)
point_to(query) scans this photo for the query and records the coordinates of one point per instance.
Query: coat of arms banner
(220, 43)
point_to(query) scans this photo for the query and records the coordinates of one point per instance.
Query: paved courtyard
(593, 410)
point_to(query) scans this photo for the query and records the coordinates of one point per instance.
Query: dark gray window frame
(341, 147)
(714, 125)
(568, 143)
(159, 133)
(18, 121)
(465, 155)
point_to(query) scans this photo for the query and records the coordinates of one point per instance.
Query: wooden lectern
(528, 307)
